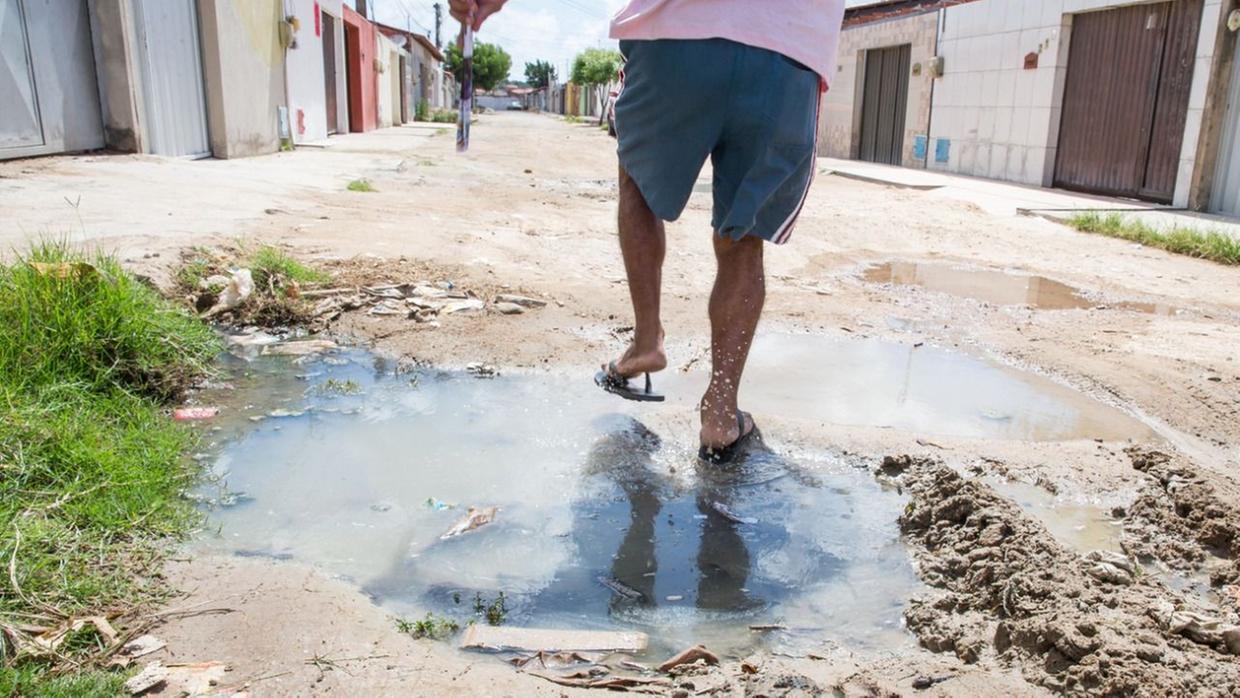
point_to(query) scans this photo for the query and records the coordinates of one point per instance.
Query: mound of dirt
(1183, 520)
(1006, 590)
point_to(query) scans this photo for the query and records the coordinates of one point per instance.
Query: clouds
(530, 30)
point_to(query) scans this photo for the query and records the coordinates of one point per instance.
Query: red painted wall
(360, 68)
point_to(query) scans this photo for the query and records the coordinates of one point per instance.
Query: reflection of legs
(723, 561)
(735, 306)
(635, 564)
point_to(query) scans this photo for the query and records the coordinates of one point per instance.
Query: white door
(19, 119)
(174, 101)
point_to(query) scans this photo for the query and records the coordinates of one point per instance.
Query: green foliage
(595, 66)
(573, 119)
(361, 185)
(444, 116)
(539, 73)
(32, 682)
(431, 627)
(97, 328)
(491, 64)
(272, 265)
(91, 466)
(495, 612)
(1211, 245)
(421, 111)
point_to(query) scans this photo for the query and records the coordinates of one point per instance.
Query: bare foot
(719, 428)
(636, 361)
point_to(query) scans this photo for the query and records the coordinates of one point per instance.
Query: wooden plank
(485, 637)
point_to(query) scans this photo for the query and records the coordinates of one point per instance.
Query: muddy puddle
(605, 520)
(999, 287)
(920, 389)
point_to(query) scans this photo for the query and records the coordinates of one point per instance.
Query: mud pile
(1184, 521)
(1007, 591)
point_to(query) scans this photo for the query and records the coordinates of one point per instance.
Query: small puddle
(998, 287)
(604, 522)
(1080, 526)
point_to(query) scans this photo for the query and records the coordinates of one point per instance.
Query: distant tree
(491, 64)
(597, 68)
(539, 73)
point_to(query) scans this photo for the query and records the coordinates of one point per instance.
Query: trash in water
(304, 347)
(487, 637)
(475, 519)
(621, 588)
(438, 505)
(730, 515)
(187, 414)
(239, 288)
(481, 370)
(689, 656)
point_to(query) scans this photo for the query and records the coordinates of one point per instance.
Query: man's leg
(643, 245)
(735, 306)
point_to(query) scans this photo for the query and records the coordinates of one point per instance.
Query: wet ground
(606, 520)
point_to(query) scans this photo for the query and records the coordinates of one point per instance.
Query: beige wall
(840, 131)
(243, 67)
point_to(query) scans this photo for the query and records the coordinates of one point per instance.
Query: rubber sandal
(616, 384)
(727, 454)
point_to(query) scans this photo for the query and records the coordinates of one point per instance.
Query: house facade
(197, 78)
(1116, 98)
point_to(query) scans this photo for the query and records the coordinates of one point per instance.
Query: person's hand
(462, 10)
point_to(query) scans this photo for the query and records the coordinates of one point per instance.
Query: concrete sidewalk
(1008, 199)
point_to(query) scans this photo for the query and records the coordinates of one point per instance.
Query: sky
(529, 30)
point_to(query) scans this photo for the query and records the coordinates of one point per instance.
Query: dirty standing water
(605, 519)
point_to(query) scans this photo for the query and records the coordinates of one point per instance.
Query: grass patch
(431, 627)
(269, 263)
(1211, 245)
(573, 119)
(362, 185)
(91, 466)
(31, 682)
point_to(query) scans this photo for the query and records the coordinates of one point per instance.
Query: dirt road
(531, 209)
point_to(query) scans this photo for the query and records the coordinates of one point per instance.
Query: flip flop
(616, 384)
(727, 454)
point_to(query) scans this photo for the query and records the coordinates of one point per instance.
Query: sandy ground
(531, 209)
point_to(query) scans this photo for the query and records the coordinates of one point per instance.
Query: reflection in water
(998, 287)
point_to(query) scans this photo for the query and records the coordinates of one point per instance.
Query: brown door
(1126, 99)
(883, 104)
(329, 71)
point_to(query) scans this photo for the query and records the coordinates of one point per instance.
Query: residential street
(1140, 351)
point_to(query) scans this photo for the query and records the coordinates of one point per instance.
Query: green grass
(91, 466)
(1211, 245)
(573, 119)
(444, 116)
(431, 627)
(32, 682)
(362, 185)
(268, 262)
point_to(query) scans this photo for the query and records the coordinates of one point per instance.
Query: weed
(271, 265)
(431, 627)
(91, 467)
(495, 612)
(421, 112)
(444, 116)
(573, 119)
(95, 327)
(1211, 245)
(334, 386)
(197, 264)
(362, 185)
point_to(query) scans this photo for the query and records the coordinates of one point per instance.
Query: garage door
(171, 60)
(1126, 99)
(19, 119)
(883, 104)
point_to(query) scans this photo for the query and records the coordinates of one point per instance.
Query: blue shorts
(754, 112)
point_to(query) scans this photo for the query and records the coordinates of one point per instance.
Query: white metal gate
(19, 119)
(1225, 198)
(172, 89)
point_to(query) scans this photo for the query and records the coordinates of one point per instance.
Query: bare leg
(643, 245)
(735, 306)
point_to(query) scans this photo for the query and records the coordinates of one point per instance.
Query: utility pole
(438, 22)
